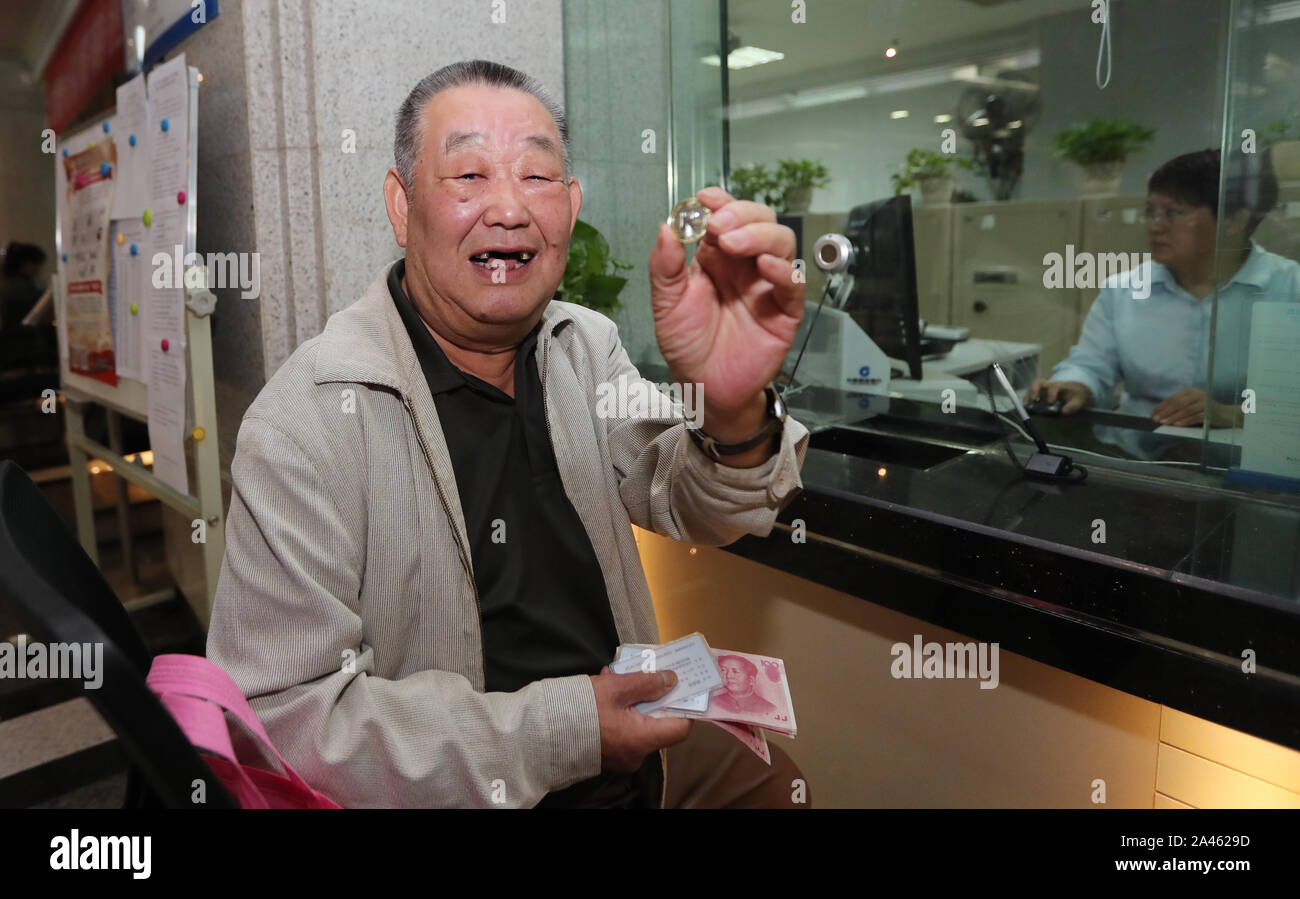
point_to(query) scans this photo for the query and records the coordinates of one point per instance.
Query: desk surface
(1185, 577)
(976, 354)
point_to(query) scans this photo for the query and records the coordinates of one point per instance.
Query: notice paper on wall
(131, 132)
(166, 213)
(1270, 439)
(167, 412)
(130, 282)
(166, 224)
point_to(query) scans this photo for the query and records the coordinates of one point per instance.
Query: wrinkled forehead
(461, 141)
(491, 120)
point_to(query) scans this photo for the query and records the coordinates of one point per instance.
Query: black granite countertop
(1158, 583)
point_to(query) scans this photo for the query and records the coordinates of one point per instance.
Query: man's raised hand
(727, 320)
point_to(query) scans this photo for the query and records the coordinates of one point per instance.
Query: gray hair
(410, 119)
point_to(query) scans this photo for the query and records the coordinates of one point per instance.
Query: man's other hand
(626, 735)
(1074, 396)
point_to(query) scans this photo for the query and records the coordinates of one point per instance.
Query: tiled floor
(105, 793)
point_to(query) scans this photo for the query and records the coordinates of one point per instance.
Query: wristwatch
(774, 422)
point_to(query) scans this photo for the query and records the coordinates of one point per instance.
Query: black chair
(55, 590)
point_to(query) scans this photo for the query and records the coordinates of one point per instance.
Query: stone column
(296, 117)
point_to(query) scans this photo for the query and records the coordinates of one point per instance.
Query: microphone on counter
(1044, 463)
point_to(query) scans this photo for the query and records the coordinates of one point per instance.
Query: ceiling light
(1280, 12)
(899, 114)
(745, 57)
(942, 117)
(836, 94)
(891, 52)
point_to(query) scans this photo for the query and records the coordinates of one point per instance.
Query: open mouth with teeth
(502, 259)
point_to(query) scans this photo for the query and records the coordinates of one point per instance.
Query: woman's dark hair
(1193, 178)
(18, 255)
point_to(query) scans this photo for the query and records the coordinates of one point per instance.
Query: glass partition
(1103, 199)
(1018, 141)
(1255, 362)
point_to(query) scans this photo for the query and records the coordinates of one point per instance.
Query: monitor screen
(883, 301)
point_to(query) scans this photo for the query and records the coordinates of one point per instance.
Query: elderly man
(430, 556)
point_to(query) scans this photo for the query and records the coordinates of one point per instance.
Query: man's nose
(505, 204)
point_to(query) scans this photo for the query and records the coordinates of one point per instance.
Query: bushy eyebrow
(459, 140)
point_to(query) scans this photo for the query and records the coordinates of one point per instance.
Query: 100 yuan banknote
(754, 691)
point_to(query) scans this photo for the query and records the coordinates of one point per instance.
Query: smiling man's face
(489, 179)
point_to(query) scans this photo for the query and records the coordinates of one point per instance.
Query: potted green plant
(1284, 149)
(755, 182)
(591, 276)
(1099, 148)
(931, 172)
(797, 179)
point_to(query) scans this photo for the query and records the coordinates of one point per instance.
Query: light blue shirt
(1160, 345)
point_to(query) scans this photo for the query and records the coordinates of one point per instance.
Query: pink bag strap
(204, 724)
(176, 674)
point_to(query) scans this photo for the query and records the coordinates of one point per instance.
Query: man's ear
(575, 197)
(395, 202)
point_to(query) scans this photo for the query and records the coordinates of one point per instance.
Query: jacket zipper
(546, 359)
(428, 460)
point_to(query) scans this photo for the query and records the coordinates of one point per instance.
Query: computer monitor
(883, 300)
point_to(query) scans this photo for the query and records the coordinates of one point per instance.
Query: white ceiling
(851, 35)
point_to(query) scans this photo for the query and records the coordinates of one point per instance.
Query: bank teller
(1158, 347)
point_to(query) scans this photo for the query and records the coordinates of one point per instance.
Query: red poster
(84, 61)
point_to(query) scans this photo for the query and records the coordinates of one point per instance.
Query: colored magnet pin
(147, 218)
(166, 344)
(65, 257)
(134, 250)
(81, 179)
(121, 238)
(103, 170)
(65, 152)
(106, 127)
(198, 434)
(134, 308)
(165, 124)
(133, 140)
(180, 197)
(90, 146)
(688, 220)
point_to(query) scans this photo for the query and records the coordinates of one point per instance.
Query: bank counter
(1146, 620)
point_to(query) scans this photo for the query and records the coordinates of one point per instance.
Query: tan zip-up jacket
(346, 609)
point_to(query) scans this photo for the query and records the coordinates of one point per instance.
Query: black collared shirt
(542, 599)
(543, 605)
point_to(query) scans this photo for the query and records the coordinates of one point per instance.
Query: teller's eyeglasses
(1173, 216)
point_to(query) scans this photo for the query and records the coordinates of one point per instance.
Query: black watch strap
(775, 421)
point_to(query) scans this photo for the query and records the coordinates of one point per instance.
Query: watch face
(778, 404)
